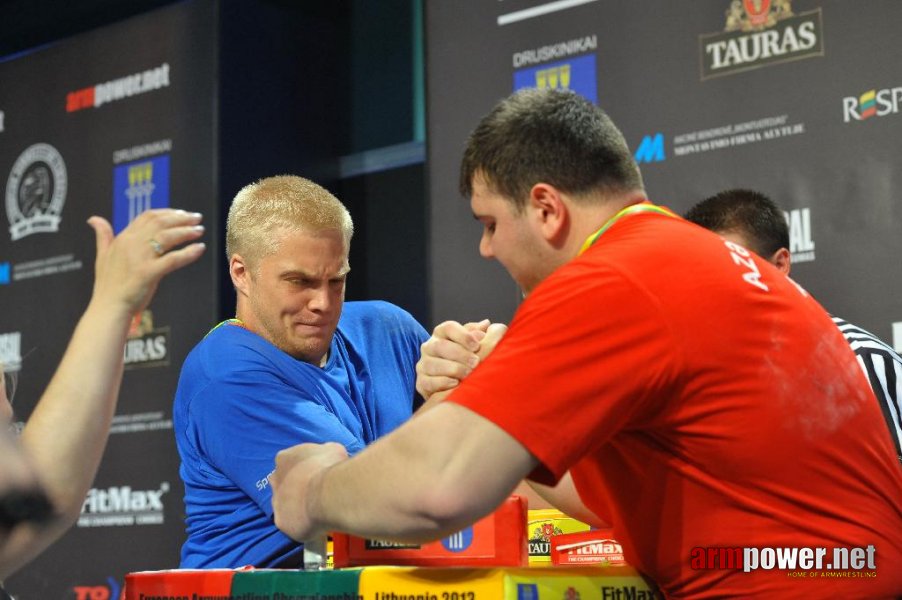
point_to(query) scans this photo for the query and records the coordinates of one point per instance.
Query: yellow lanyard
(629, 210)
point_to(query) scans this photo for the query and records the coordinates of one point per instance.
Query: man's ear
(549, 212)
(240, 273)
(782, 259)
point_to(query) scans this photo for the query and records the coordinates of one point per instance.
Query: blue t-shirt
(240, 400)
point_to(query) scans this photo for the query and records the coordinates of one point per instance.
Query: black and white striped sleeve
(883, 367)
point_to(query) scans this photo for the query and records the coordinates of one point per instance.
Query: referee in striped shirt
(751, 219)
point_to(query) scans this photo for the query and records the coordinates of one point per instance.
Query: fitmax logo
(651, 149)
(124, 499)
(872, 103)
(123, 506)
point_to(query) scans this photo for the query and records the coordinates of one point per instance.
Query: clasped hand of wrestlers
(129, 266)
(451, 354)
(446, 358)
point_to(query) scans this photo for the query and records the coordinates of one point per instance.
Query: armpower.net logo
(821, 562)
(96, 96)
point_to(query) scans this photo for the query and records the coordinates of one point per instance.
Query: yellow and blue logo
(139, 186)
(576, 74)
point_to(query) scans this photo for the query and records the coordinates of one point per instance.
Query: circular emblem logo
(36, 191)
(460, 541)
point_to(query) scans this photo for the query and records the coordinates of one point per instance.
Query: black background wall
(362, 91)
(703, 112)
(333, 90)
(324, 89)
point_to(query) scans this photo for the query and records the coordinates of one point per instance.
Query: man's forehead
(484, 198)
(481, 183)
(311, 267)
(282, 233)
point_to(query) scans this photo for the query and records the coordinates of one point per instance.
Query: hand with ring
(157, 247)
(126, 274)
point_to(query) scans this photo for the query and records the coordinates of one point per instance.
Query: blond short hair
(283, 202)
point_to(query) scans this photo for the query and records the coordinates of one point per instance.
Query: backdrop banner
(109, 123)
(798, 99)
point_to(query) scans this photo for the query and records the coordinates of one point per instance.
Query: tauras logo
(872, 103)
(760, 33)
(145, 350)
(539, 548)
(539, 543)
(146, 346)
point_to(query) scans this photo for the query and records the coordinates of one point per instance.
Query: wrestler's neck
(589, 217)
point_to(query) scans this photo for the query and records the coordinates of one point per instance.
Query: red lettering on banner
(87, 592)
(80, 99)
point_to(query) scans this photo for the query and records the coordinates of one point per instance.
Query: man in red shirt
(665, 380)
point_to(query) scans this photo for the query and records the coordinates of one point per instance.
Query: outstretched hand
(129, 266)
(292, 486)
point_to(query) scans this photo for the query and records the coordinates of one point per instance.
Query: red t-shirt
(700, 400)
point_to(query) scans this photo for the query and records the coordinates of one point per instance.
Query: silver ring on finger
(157, 247)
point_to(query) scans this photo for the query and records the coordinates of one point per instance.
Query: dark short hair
(551, 136)
(751, 213)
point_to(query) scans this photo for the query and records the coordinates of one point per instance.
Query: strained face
(296, 294)
(508, 237)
